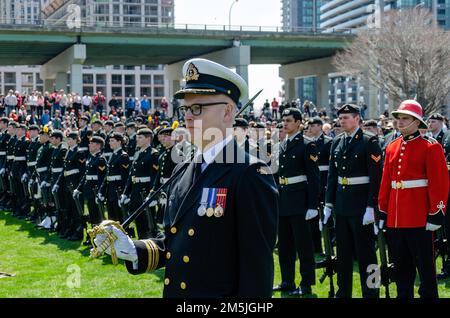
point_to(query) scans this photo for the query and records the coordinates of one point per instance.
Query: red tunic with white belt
(415, 182)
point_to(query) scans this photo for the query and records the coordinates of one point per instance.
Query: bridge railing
(88, 25)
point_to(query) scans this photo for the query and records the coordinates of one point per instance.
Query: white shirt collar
(293, 136)
(210, 154)
(117, 150)
(353, 133)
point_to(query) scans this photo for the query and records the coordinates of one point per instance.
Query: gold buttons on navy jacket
(183, 285)
(167, 281)
(191, 232)
(168, 255)
(173, 230)
(186, 259)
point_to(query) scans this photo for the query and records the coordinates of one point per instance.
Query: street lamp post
(229, 14)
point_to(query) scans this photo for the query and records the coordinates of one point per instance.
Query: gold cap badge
(191, 73)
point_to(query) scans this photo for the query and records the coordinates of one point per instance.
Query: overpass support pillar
(48, 85)
(61, 81)
(71, 60)
(172, 79)
(76, 78)
(289, 89)
(322, 91)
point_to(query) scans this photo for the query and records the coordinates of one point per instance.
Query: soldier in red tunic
(412, 201)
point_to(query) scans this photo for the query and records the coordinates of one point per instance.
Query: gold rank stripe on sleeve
(125, 166)
(102, 168)
(153, 255)
(155, 167)
(376, 158)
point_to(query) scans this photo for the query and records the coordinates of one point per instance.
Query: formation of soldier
(68, 182)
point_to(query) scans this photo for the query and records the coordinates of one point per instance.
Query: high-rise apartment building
(20, 11)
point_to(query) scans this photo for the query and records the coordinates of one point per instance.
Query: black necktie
(347, 140)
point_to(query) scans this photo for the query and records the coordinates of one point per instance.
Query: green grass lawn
(46, 266)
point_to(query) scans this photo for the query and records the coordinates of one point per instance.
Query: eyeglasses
(196, 109)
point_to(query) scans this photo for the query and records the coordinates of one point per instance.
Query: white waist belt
(41, 169)
(22, 158)
(2, 153)
(324, 168)
(56, 170)
(10, 157)
(114, 178)
(292, 180)
(353, 180)
(107, 154)
(408, 184)
(91, 177)
(70, 172)
(82, 149)
(31, 164)
(164, 180)
(140, 179)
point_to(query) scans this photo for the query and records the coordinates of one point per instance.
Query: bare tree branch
(408, 58)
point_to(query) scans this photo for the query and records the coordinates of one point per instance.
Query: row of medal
(213, 202)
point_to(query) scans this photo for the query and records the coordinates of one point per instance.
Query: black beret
(145, 131)
(13, 123)
(109, 123)
(97, 140)
(57, 134)
(240, 122)
(348, 109)
(139, 119)
(5, 120)
(98, 121)
(23, 126)
(131, 125)
(164, 123)
(119, 124)
(279, 125)
(84, 117)
(436, 116)
(34, 127)
(117, 136)
(292, 111)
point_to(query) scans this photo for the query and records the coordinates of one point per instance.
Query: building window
(146, 91)
(116, 91)
(146, 80)
(130, 91)
(158, 80)
(441, 11)
(159, 91)
(116, 79)
(88, 79)
(129, 80)
(101, 79)
(10, 78)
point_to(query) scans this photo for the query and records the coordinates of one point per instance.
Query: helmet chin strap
(403, 129)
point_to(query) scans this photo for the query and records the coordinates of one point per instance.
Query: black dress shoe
(301, 291)
(284, 287)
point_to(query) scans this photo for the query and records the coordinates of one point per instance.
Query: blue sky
(246, 13)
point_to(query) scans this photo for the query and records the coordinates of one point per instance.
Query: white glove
(76, 194)
(30, 183)
(123, 200)
(310, 214)
(2, 171)
(44, 184)
(153, 203)
(123, 245)
(432, 227)
(24, 177)
(55, 188)
(369, 216)
(100, 198)
(326, 214)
